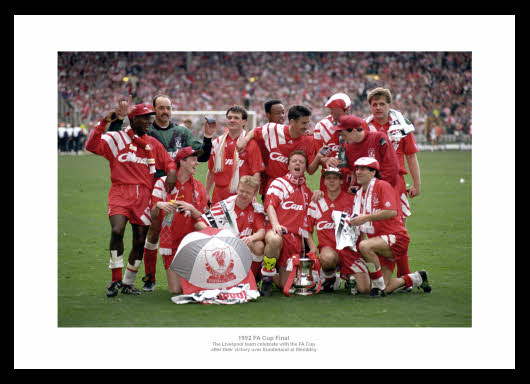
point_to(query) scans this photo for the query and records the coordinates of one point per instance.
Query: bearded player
(133, 157)
(377, 215)
(352, 267)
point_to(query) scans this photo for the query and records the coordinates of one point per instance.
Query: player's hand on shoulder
(317, 195)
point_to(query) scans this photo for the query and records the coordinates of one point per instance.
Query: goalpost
(197, 120)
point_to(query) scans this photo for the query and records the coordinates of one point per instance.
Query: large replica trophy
(303, 269)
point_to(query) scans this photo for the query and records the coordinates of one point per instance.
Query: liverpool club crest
(219, 263)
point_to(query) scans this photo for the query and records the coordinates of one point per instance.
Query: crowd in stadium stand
(424, 85)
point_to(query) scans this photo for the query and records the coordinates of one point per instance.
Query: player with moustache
(286, 205)
(133, 157)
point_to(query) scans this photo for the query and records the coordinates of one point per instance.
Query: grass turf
(439, 228)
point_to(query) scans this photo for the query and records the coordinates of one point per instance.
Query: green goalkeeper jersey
(173, 138)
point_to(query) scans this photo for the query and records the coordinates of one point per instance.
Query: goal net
(197, 121)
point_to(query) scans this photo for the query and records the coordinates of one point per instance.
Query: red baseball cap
(369, 162)
(141, 109)
(338, 100)
(350, 122)
(187, 152)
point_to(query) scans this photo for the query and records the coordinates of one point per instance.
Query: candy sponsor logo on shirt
(278, 157)
(325, 225)
(292, 205)
(125, 157)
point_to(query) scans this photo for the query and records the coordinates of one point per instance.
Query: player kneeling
(286, 205)
(243, 216)
(322, 216)
(179, 210)
(376, 206)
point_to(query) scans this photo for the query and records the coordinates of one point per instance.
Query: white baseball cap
(338, 100)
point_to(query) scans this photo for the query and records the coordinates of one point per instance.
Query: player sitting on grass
(376, 207)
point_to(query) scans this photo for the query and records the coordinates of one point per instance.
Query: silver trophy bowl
(303, 280)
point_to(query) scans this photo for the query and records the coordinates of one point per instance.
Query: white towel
(400, 125)
(345, 235)
(397, 122)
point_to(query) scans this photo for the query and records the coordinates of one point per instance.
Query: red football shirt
(375, 145)
(279, 145)
(249, 220)
(128, 166)
(250, 161)
(384, 197)
(320, 216)
(192, 191)
(405, 146)
(290, 200)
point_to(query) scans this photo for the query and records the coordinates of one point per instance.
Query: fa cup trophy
(303, 280)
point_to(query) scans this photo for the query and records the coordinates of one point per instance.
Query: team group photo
(316, 197)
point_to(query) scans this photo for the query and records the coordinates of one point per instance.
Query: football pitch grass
(439, 228)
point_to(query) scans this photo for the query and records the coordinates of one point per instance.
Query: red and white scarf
(219, 149)
(295, 180)
(139, 142)
(363, 206)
